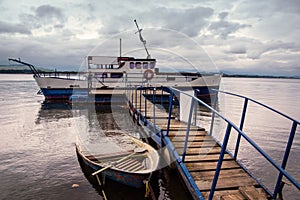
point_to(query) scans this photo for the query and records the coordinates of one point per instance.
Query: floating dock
(207, 168)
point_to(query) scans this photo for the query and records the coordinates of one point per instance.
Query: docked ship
(105, 74)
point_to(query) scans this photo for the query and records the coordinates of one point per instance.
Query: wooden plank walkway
(202, 157)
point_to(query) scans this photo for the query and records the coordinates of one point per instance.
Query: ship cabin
(117, 67)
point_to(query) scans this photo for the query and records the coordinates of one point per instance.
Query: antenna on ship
(120, 47)
(142, 39)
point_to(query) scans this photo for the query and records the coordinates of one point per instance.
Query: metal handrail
(259, 103)
(231, 125)
(289, 144)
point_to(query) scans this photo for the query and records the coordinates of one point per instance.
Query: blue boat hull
(61, 94)
(129, 179)
(81, 95)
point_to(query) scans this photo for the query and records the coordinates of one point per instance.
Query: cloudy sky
(255, 37)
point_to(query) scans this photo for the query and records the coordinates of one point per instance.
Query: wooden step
(250, 193)
(191, 133)
(203, 166)
(231, 197)
(205, 158)
(224, 173)
(201, 151)
(198, 138)
(226, 183)
(194, 144)
(223, 194)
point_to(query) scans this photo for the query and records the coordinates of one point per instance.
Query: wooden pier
(201, 156)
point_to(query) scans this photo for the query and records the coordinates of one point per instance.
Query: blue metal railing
(281, 168)
(230, 125)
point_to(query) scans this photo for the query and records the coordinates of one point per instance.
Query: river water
(38, 159)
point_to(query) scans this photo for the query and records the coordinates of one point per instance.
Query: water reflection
(53, 111)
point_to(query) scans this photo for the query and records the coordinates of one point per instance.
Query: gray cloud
(189, 21)
(257, 50)
(47, 11)
(239, 35)
(44, 15)
(237, 49)
(13, 28)
(223, 27)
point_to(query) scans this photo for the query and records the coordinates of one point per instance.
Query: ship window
(138, 65)
(152, 65)
(131, 65)
(92, 66)
(116, 75)
(145, 65)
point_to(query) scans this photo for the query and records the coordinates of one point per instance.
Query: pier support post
(154, 101)
(213, 114)
(220, 161)
(188, 130)
(285, 158)
(241, 128)
(170, 110)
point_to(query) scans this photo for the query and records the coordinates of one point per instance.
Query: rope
(147, 188)
(102, 190)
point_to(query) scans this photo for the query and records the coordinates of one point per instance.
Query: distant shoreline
(259, 76)
(25, 71)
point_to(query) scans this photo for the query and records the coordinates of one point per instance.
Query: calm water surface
(269, 130)
(37, 153)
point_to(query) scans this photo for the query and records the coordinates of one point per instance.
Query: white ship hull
(62, 88)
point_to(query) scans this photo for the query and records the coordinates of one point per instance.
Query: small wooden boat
(131, 168)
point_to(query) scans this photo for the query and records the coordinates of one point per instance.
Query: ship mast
(142, 39)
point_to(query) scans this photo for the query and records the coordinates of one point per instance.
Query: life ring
(148, 74)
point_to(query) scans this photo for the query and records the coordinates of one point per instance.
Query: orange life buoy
(148, 74)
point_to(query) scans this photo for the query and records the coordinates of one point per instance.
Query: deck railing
(230, 125)
(174, 95)
(280, 167)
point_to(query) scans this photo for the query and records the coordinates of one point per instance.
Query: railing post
(145, 101)
(132, 96)
(195, 111)
(285, 158)
(170, 110)
(135, 97)
(154, 100)
(140, 100)
(241, 128)
(188, 130)
(219, 165)
(213, 114)
(161, 97)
